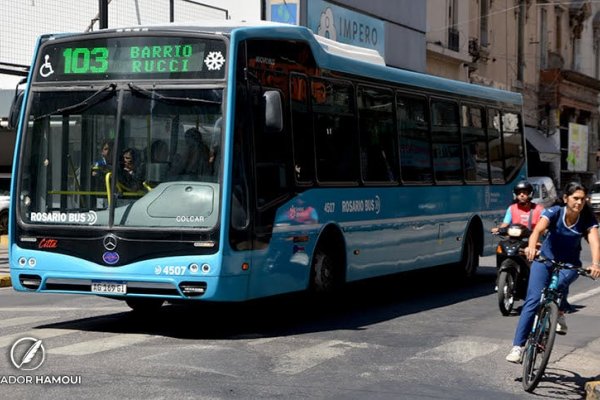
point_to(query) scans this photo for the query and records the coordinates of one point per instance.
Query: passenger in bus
(193, 162)
(131, 173)
(158, 166)
(159, 152)
(99, 170)
(103, 164)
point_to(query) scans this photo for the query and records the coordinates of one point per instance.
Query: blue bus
(228, 162)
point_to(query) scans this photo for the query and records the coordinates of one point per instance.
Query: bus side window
(495, 147)
(414, 141)
(378, 147)
(446, 141)
(474, 144)
(335, 130)
(512, 141)
(302, 131)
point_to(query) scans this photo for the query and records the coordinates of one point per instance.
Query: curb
(592, 390)
(5, 281)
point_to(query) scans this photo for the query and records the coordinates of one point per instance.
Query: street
(413, 336)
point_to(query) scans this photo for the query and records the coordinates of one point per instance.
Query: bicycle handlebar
(563, 265)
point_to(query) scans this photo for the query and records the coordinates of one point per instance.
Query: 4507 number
(171, 270)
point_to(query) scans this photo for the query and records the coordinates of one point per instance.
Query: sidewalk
(4, 271)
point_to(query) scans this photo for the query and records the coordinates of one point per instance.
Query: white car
(544, 191)
(4, 200)
(595, 198)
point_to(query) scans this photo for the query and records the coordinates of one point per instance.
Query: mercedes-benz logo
(110, 242)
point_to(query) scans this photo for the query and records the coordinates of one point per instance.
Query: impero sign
(346, 26)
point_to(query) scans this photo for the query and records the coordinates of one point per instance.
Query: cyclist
(522, 211)
(566, 225)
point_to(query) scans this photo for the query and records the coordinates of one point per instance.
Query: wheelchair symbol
(46, 68)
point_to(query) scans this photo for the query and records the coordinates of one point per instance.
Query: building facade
(546, 50)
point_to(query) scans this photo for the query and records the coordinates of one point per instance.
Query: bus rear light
(245, 267)
(32, 282)
(193, 288)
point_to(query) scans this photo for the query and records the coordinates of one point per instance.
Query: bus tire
(143, 305)
(326, 275)
(469, 261)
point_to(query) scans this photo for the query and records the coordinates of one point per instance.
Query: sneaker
(561, 325)
(515, 355)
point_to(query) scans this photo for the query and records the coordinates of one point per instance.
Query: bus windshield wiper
(85, 104)
(153, 95)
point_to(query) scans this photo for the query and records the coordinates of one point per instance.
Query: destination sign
(132, 57)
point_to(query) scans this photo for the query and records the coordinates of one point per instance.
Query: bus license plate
(109, 287)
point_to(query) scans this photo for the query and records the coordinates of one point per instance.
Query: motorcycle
(512, 266)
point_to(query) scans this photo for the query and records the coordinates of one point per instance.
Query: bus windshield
(126, 156)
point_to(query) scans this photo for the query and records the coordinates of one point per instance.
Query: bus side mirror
(273, 111)
(15, 107)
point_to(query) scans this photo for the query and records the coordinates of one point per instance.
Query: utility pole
(103, 13)
(520, 44)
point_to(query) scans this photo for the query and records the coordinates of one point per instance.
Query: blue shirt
(563, 243)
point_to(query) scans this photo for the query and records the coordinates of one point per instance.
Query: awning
(545, 146)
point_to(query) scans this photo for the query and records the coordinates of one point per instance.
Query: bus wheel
(325, 279)
(470, 259)
(144, 306)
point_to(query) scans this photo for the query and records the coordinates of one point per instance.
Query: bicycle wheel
(539, 346)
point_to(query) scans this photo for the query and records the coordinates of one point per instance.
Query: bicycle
(541, 339)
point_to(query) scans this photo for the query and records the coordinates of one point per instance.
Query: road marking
(8, 340)
(24, 320)
(584, 295)
(459, 351)
(302, 359)
(99, 345)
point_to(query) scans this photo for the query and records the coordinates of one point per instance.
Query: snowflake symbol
(214, 60)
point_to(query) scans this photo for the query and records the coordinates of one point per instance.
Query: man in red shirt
(522, 211)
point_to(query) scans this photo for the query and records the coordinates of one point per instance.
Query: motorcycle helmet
(523, 185)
